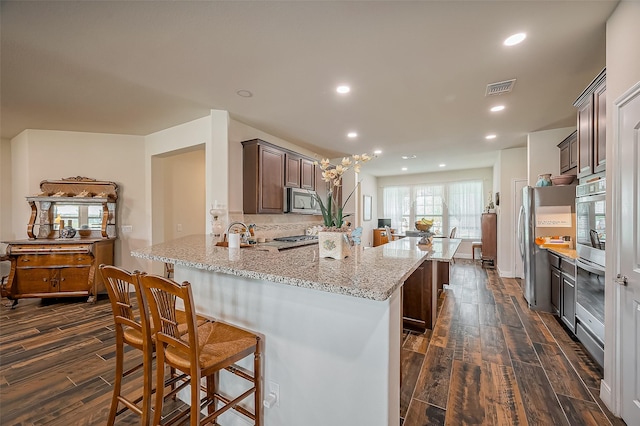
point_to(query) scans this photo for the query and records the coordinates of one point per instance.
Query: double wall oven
(590, 266)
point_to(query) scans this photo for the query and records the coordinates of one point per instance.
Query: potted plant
(333, 239)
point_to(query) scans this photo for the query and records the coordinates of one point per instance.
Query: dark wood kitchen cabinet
(488, 225)
(263, 177)
(292, 170)
(568, 313)
(569, 154)
(416, 299)
(307, 174)
(591, 133)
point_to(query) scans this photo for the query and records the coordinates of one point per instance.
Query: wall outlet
(179, 227)
(127, 229)
(272, 395)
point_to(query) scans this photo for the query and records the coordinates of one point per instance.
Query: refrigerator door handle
(521, 231)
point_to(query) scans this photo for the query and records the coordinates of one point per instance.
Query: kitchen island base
(335, 358)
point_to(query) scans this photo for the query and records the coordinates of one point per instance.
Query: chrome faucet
(244, 236)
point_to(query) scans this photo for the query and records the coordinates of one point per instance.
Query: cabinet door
(565, 158)
(569, 302)
(599, 129)
(489, 237)
(292, 171)
(75, 279)
(573, 151)
(585, 140)
(307, 174)
(556, 283)
(271, 188)
(413, 301)
(31, 281)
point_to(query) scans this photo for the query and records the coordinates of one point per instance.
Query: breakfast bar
(332, 328)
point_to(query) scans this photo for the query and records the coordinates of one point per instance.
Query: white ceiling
(418, 71)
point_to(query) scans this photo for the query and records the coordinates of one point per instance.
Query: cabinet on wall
(591, 136)
(569, 154)
(47, 265)
(263, 177)
(268, 169)
(488, 224)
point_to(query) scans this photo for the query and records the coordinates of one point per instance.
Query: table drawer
(53, 260)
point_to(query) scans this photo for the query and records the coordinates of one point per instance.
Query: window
(449, 205)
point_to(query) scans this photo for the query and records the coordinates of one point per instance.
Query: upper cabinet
(268, 170)
(569, 154)
(591, 133)
(263, 177)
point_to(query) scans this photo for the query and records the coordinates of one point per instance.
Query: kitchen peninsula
(332, 329)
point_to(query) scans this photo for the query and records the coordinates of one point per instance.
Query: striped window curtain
(397, 206)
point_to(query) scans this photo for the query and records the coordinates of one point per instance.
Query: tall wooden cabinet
(489, 239)
(48, 265)
(416, 299)
(263, 177)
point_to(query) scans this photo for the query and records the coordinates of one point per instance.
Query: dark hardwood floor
(489, 360)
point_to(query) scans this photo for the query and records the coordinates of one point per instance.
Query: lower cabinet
(563, 289)
(416, 299)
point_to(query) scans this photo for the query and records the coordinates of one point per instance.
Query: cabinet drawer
(35, 260)
(554, 260)
(568, 267)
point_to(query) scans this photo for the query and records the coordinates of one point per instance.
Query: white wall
(38, 155)
(512, 164)
(623, 71)
(368, 186)
(543, 152)
(5, 188)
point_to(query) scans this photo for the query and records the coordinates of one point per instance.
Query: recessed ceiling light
(442, 165)
(408, 157)
(343, 89)
(377, 151)
(515, 39)
(352, 135)
(497, 108)
(404, 169)
(244, 93)
(490, 137)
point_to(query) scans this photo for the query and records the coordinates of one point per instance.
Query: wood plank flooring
(490, 360)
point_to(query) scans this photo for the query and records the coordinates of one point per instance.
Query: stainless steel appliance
(297, 238)
(301, 201)
(590, 266)
(546, 211)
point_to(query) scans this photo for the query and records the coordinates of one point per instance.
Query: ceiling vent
(500, 87)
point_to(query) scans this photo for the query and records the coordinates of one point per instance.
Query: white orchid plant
(332, 212)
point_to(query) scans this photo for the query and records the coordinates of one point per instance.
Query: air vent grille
(500, 87)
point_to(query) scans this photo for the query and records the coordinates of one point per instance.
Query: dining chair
(200, 353)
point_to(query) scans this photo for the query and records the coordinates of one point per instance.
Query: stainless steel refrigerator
(546, 211)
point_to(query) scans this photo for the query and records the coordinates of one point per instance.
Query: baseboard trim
(606, 396)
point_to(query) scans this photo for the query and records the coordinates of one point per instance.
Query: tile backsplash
(270, 226)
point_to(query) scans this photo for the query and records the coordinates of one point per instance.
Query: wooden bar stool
(476, 245)
(134, 327)
(202, 352)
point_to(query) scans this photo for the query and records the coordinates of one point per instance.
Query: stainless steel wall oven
(590, 266)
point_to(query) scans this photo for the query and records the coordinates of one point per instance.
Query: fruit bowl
(424, 227)
(562, 179)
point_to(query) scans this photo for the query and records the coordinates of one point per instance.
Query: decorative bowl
(84, 232)
(562, 179)
(423, 226)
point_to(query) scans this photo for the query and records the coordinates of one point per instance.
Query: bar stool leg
(257, 374)
(117, 383)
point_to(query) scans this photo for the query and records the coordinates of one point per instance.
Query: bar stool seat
(202, 352)
(476, 245)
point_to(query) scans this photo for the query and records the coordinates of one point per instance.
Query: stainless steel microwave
(302, 201)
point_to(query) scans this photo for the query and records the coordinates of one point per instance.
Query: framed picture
(366, 211)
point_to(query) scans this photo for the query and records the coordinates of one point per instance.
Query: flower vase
(334, 244)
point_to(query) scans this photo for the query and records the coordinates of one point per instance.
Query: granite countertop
(373, 273)
(564, 252)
